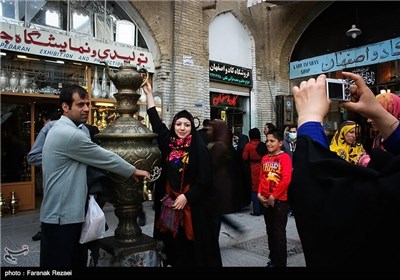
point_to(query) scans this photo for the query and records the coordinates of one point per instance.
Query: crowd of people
(343, 199)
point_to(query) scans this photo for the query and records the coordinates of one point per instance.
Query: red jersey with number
(275, 175)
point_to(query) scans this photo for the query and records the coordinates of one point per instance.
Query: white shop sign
(60, 46)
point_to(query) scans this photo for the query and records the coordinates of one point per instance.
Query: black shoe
(36, 237)
(142, 219)
(254, 214)
(270, 264)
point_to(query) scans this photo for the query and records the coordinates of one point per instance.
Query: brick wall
(180, 28)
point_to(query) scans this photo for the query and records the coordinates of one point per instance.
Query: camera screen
(335, 90)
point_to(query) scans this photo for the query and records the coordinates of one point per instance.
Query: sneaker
(36, 237)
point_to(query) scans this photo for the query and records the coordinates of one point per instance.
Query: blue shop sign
(388, 50)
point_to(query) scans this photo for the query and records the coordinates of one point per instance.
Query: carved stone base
(146, 252)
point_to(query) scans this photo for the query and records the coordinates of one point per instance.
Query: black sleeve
(344, 212)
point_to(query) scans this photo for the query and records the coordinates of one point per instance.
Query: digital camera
(338, 89)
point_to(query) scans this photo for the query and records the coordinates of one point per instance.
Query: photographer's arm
(312, 105)
(311, 101)
(363, 101)
(149, 94)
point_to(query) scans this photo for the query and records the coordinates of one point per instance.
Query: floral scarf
(177, 160)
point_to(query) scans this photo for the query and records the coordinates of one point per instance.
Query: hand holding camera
(338, 89)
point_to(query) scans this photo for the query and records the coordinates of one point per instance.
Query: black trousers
(60, 247)
(275, 220)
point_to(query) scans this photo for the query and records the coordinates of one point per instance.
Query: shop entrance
(233, 116)
(230, 108)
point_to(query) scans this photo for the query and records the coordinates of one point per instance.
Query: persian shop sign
(384, 51)
(226, 73)
(59, 46)
(221, 99)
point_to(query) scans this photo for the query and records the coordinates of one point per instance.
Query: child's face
(273, 144)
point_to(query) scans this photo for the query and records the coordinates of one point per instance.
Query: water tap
(147, 194)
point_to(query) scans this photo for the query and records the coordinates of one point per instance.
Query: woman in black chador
(346, 215)
(187, 178)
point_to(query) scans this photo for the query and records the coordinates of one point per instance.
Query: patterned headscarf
(350, 153)
(179, 154)
(391, 102)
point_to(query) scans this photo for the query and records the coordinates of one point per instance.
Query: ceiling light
(353, 32)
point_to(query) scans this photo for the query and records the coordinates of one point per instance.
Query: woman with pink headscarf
(391, 102)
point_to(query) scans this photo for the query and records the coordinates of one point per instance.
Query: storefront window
(99, 19)
(104, 30)
(15, 142)
(81, 22)
(45, 13)
(8, 9)
(53, 19)
(125, 32)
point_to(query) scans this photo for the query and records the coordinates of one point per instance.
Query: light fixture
(104, 104)
(353, 32)
(55, 61)
(27, 57)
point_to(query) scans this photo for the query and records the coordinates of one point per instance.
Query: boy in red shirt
(275, 176)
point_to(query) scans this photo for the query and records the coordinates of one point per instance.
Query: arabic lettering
(395, 47)
(230, 100)
(227, 69)
(83, 50)
(384, 51)
(368, 73)
(217, 68)
(9, 256)
(328, 66)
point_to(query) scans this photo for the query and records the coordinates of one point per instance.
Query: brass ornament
(133, 141)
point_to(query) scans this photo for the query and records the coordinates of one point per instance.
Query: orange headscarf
(391, 102)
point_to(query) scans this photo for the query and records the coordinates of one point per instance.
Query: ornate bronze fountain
(134, 142)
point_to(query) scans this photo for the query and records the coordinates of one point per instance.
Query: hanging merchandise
(113, 90)
(14, 203)
(96, 88)
(104, 87)
(4, 209)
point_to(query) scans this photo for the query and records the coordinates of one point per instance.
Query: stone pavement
(249, 249)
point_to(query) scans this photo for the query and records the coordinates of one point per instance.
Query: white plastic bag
(94, 226)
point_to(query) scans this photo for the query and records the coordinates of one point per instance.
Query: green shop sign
(230, 74)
